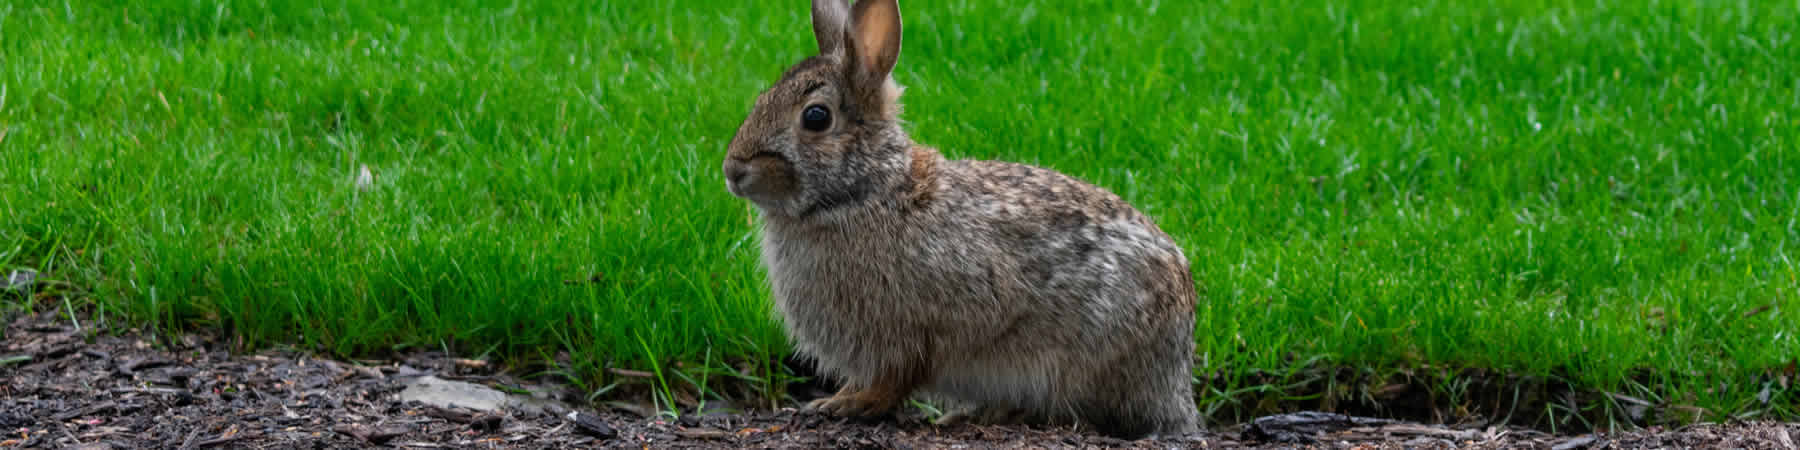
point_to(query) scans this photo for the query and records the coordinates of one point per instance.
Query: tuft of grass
(1601, 195)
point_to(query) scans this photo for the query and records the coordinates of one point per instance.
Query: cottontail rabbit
(1025, 293)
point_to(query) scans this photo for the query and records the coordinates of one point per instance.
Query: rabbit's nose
(735, 172)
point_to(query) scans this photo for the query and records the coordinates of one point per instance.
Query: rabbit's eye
(815, 118)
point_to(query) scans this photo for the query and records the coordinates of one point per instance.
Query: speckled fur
(1003, 286)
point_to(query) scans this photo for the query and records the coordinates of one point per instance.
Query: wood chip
(1421, 430)
(373, 435)
(224, 439)
(149, 363)
(369, 372)
(1572, 444)
(703, 433)
(89, 410)
(592, 425)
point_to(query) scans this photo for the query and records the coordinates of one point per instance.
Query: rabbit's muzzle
(765, 179)
(735, 173)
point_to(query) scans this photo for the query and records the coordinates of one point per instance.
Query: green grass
(1602, 192)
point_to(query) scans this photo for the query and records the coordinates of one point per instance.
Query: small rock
(1572, 444)
(444, 393)
(592, 425)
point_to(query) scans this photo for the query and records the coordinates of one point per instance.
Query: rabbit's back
(1104, 300)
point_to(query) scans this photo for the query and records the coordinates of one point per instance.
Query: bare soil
(63, 387)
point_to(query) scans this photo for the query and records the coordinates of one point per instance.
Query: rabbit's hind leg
(982, 416)
(989, 415)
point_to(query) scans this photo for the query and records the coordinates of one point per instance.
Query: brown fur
(883, 391)
(1020, 292)
(923, 175)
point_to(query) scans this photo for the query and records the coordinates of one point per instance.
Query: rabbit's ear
(874, 41)
(831, 21)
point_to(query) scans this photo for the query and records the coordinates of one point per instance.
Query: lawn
(1597, 195)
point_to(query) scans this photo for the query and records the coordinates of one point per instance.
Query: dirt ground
(66, 388)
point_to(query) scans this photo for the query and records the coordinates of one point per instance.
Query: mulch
(68, 387)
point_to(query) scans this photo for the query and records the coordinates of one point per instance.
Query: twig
(65, 430)
(630, 373)
(703, 433)
(189, 442)
(223, 439)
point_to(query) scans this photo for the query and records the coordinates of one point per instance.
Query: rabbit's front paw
(864, 403)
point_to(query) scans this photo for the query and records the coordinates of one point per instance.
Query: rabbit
(1025, 294)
